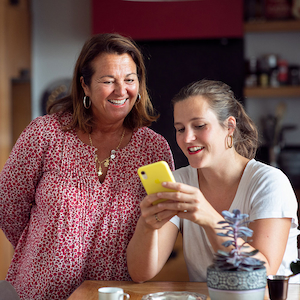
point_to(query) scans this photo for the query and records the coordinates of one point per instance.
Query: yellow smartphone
(153, 175)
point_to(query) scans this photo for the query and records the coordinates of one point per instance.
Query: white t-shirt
(263, 192)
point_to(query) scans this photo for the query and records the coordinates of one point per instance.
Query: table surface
(88, 290)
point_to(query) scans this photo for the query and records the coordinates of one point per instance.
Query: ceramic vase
(236, 285)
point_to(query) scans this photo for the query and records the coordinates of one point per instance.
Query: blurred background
(252, 45)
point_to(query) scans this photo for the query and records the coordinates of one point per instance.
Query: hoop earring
(87, 102)
(138, 99)
(229, 141)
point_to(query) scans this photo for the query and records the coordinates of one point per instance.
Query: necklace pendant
(112, 154)
(100, 171)
(106, 163)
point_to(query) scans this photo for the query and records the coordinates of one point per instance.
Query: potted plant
(236, 275)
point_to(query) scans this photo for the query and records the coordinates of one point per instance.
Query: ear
(231, 124)
(84, 86)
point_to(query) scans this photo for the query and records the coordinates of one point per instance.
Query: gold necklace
(106, 161)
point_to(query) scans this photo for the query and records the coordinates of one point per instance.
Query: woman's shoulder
(268, 191)
(265, 176)
(146, 131)
(259, 169)
(53, 121)
(146, 134)
(46, 127)
(146, 143)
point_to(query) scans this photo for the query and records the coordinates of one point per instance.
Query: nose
(189, 135)
(120, 89)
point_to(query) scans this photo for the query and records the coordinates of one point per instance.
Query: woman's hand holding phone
(153, 175)
(161, 186)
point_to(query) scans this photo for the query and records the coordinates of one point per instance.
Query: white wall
(287, 46)
(59, 30)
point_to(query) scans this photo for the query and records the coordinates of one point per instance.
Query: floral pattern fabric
(66, 226)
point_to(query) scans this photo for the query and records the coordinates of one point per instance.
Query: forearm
(149, 249)
(142, 253)
(265, 239)
(212, 228)
(270, 234)
(19, 178)
(14, 203)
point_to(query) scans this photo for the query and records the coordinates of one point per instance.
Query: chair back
(7, 291)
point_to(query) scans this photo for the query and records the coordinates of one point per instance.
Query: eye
(129, 80)
(108, 82)
(180, 130)
(200, 126)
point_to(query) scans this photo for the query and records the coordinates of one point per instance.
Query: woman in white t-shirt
(220, 142)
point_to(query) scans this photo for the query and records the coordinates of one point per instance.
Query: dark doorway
(173, 64)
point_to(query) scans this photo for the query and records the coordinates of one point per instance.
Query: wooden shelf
(272, 26)
(283, 91)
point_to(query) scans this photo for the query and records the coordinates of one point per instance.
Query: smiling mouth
(193, 150)
(117, 102)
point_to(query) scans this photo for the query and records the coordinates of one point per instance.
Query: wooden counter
(88, 290)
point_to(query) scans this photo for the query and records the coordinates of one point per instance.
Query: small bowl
(174, 296)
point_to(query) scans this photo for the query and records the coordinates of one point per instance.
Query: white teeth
(117, 102)
(194, 149)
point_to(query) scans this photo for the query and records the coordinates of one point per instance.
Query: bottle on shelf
(270, 70)
(294, 75)
(283, 72)
(272, 63)
(263, 72)
(251, 72)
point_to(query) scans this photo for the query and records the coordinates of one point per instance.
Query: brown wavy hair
(222, 101)
(142, 113)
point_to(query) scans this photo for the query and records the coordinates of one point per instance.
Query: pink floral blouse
(65, 226)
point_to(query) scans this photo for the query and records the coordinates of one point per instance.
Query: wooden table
(88, 290)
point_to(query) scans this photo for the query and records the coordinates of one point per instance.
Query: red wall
(169, 19)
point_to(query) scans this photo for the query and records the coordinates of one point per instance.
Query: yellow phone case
(153, 175)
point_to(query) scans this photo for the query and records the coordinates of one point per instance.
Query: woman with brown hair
(220, 142)
(69, 192)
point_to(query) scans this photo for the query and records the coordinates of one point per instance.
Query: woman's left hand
(190, 204)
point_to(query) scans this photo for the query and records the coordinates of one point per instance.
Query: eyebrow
(193, 119)
(111, 76)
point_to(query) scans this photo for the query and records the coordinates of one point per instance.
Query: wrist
(212, 223)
